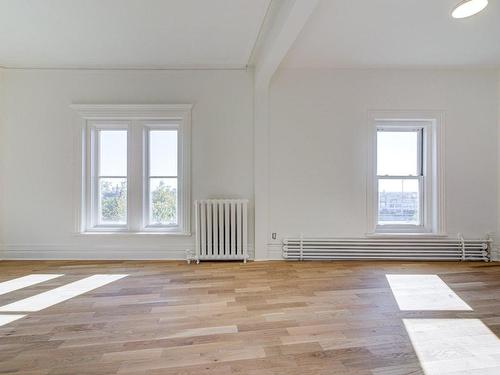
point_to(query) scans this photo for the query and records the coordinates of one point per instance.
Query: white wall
(317, 158)
(2, 142)
(37, 171)
(318, 142)
(497, 237)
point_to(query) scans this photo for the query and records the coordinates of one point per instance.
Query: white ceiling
(129, 33)
(396, 33)
(222, 34)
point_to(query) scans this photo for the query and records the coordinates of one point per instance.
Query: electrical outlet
(274, 236)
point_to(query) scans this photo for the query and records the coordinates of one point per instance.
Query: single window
(162, 178)
(110, 189)
(405, 193)
(400, 176)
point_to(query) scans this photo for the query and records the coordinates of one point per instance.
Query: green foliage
(164, 204)
(114, 201)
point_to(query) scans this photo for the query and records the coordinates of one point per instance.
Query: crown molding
(132, 111)
(125, 68)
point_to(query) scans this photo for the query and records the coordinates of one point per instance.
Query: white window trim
(132, 115)
(433, 205)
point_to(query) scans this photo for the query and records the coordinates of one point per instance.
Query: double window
(135, 172)
(405, 183)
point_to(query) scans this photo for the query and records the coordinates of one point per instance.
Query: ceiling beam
(286, 18)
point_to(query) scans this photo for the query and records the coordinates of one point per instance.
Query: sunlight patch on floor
(424, 292)
(25, 281)
(46, 299)
(6, 319)
(454, 346)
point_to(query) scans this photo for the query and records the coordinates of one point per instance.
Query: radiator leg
(189, 256)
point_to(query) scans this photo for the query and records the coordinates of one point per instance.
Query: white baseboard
(96, 252)
(495, 248)
(274, 251)
(71, 252)
(495, 252)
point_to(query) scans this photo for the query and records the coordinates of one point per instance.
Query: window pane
(398, 201)
(113, 201)
(397, 153)
(163, 201)
(112, 152)
(163, 153)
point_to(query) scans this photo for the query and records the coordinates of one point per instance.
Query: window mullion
(420, 150)
(422, 197)
(134, 172)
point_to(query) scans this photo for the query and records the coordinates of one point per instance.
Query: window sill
(133, 234)
(407, 235)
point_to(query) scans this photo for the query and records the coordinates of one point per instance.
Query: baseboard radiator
(379, 248)
(221, 230)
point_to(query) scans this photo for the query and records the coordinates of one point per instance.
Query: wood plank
(262, 318)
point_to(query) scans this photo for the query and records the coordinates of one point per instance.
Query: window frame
(147, 128)
(92, 182)
(420, 176)
(431, 168)
(136, 118)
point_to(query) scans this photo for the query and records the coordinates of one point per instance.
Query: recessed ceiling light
(468, 8)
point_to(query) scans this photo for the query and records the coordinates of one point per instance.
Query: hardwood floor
(264, 318)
